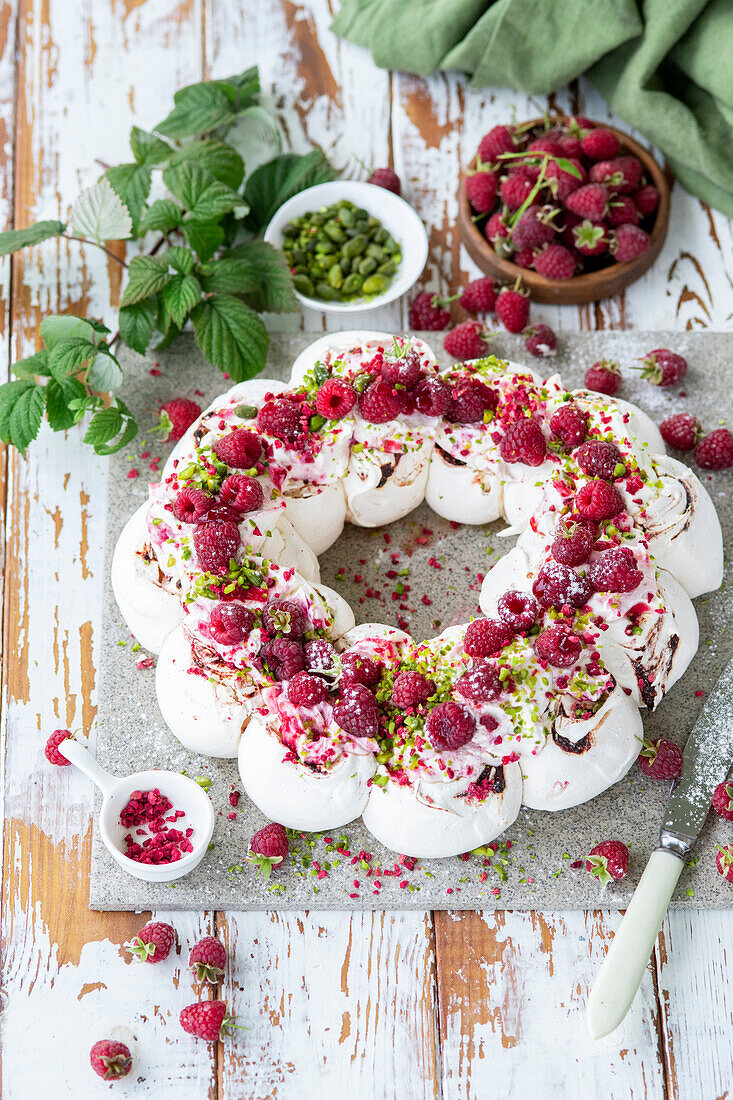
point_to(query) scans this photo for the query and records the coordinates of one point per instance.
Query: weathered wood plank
(80, 84)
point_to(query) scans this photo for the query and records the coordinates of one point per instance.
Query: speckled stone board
(440, 568)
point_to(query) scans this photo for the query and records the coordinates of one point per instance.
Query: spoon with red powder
(156, 824)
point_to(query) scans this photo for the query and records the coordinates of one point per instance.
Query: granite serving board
(438, 568)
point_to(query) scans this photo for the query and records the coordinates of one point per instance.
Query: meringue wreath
(436, 744)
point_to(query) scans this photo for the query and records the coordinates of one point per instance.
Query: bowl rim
(418, 255)
(599, 280)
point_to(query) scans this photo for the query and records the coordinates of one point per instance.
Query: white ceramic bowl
(396, 215)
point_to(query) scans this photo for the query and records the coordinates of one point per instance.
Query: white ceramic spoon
(183, 792)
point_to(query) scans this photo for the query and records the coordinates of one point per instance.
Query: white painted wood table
(365, 1006)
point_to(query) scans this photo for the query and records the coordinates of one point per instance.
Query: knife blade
(707, 761)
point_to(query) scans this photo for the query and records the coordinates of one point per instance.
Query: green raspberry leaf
(105, 373)
(231, 276)
(147, 148)
(147, 275)
(70, 356)
(198, 109)
(131, 182)
(137, 323)
(231, 336)
(161, 216)
(111, 428)
(100, 214)
(63, 326)
(180, 296)
(34, 234)
(279, 179)
(59, 395)
(180, 259)
(33, 366)
(199, 192)
(21, 409)
(217, 157)
(204, 237)
(274, 289)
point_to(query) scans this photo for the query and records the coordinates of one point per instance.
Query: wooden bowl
(579, 289)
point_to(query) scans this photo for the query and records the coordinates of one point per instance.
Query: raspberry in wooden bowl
(576, 209)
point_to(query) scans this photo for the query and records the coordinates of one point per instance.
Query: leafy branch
(184, 194)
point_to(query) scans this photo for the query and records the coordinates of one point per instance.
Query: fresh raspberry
(284, 617)
(559, 646)
(479, 296)
(480, 684)
(219, 512)
(571, 147)
(496, 228)
(356, 711)
(564, 182)
(661, 759)
(432, 396)
(622, 211)
(724, 861)
(426, 313)
(554, 261)
(230, 623)
(599, 144)
(240, 449)
(628, 242)
(481, 189)
(191, 505)
(242, 492)
(515, 189)
(153, 942)
(206, 1020)
(53, 755)
(615, 570)
(598, 500)
(283, 657)
(558, 585)
(335, 399)
(177, 416)
(484, 637)
(547, 143)
(320, 656)
(466, 341)
(405, 371)
(621, 174)
(524, 259)
(378, 403)
(589, 201)
(663, 367)
(469, 400)
(207, 959)
(411, 688)
(715, 451)
(541, 341)
(608, 861)
(282, 418)
(573, 541)
(449, 727)
(723, 800)
(110, 1060)
(268, 848)
(518, 610)
(533, 229)
(512, 309)
(305, 690)
(681, 431)
(524, 442)
(589, 239)
(569, 424)
(357, 668)
(646, 199)
(498, 140)
(603, 377)
(600, 459)
(386, 178)
(216, 544)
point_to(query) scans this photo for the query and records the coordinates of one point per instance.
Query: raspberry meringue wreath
(436, 743)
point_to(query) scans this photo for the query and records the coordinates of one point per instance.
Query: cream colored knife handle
(623, 968)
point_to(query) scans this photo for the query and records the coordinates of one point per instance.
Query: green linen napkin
(663, 65)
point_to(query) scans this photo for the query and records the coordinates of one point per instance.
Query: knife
(708, 758)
